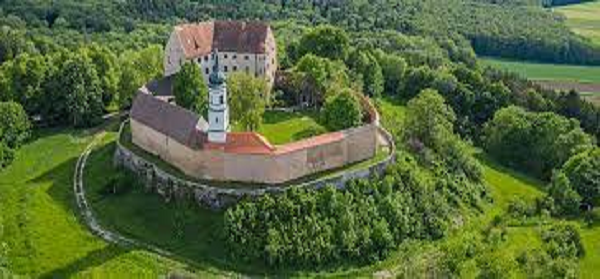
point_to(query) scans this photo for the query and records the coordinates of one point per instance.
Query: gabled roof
(171, 120)
(230, 36)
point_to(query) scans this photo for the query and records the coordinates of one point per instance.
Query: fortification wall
(172, 187)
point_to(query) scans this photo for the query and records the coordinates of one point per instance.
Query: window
(235, 56)
(199, 60)
(207, 71)
(217, 120)
(234, 68)
(246, 57)
(225, 56)
(206, 58)
(225, 69)
(222, 99)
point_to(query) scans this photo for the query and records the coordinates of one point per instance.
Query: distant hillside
(495, 28)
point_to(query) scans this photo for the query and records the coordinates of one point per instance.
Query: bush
(363, 223)
(15, 127)
(535, 142)
(342, 111)
(563, 240)
(583, 174)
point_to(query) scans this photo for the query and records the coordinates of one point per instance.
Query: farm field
(584, 19)
(547, 72)
(584, 79)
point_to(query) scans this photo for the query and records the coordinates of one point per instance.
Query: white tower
(218, 112)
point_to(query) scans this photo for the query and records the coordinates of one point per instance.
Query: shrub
(563, 240)
(342, 111)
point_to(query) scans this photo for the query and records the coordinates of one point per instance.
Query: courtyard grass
(281, 127)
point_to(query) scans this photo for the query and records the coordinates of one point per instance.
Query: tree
(326, 75)
(75, 93)
(566, 200)
(583, 173)
(325, 41)
(24, 79)
(342, 111)
(138, 68)
(105, 62)
(190, 90)
(13, 43)
(416, 80)
(393, 68)
(536, 142)
(14, 124)
(365, 64)
(429, 120)
(248, 98)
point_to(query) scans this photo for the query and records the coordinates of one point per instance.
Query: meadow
(584, 19)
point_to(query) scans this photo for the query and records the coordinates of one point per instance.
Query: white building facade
(242, 47)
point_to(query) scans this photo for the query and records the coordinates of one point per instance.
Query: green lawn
(584, 19)
(40, 226)
(283, 127)
(540, 71)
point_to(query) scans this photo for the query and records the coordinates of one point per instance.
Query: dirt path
(87, 213)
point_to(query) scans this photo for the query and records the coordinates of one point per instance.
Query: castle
(243, 46)
(208, 150)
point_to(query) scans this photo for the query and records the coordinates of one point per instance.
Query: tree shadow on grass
(92, 259)
(495, 165)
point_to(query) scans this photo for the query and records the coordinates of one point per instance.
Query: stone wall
(171, 187)
(357, 144)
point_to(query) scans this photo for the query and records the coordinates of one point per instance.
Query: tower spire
(216, 77)
(218, 112)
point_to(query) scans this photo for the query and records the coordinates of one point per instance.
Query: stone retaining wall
(171, 187)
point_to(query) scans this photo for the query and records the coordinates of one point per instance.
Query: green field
(584, 19)
(283, 127)
(539, 71)
(40, 227)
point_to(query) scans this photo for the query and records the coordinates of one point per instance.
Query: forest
(67, 64)
(511, 29)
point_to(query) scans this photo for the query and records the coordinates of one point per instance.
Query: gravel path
(87, 213)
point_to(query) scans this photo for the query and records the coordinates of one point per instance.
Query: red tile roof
(243, 143)
(230, 36)
(310, 142)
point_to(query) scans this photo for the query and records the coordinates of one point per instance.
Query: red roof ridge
(310, 142)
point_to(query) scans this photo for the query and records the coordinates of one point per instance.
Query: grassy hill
(584, 19)
(44, 237)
